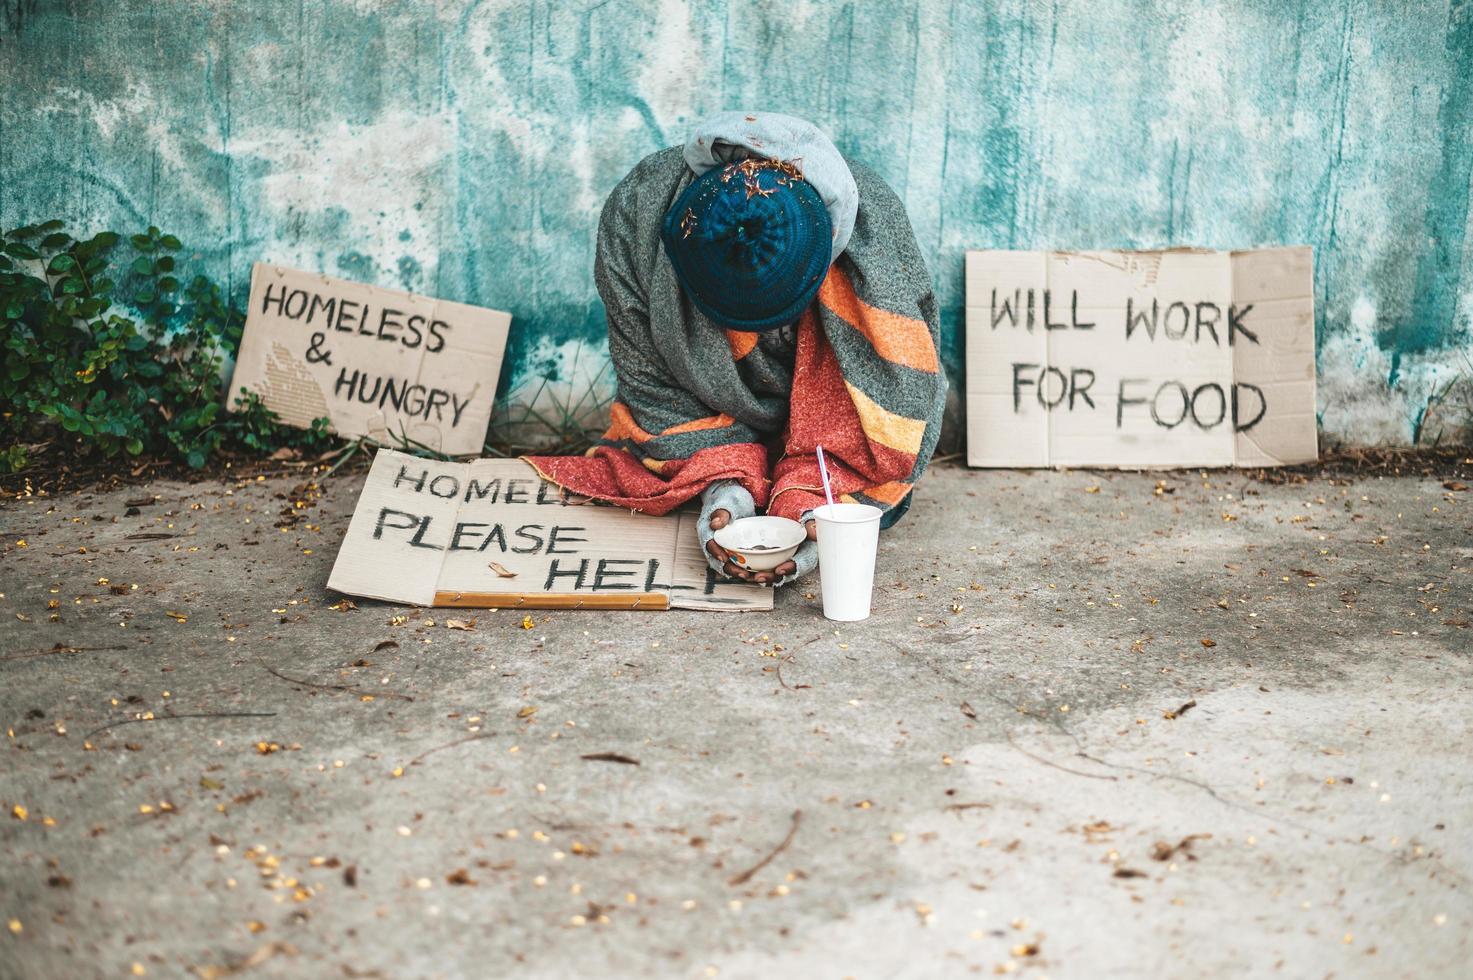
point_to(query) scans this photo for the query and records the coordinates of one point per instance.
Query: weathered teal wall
(463, 147)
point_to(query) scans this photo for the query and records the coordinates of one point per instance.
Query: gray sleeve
(727, 495)
(806, 558)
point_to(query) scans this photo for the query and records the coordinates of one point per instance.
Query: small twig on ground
(293, 680)
(199, 714)
(352, 688)
(785, 684)
(610, 757)
(746, 876)
(448, 745)
(1055, 765)
(59, 648)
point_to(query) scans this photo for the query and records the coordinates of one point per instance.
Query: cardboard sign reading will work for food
(1140, 359)
(492, 534)
(374, 362)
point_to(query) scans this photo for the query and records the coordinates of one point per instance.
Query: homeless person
(764, 297)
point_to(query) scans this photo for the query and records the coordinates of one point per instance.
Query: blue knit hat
(750, 243)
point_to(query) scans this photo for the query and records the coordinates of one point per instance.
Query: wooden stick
(354, 688)
(449, 745)
(746, 876)
(551, 600)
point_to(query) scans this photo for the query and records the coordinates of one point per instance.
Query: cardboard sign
(1141, 359)
(492, 534)
(375, 362)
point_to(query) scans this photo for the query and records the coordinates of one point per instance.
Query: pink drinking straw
(823, 471)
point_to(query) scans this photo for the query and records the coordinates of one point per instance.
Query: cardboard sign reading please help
(1141, 359)
(492, 534)
(374, 362)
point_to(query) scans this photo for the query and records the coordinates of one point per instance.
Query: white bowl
(760, 544)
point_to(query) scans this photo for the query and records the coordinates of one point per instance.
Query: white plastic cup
(848, 536)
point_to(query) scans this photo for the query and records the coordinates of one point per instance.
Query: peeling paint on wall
(463, 147)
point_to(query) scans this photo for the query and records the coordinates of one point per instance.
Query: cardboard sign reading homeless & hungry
(375, 362)
(1123, 359)
(492, 534)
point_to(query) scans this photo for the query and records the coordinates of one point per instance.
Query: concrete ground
(1099, 726)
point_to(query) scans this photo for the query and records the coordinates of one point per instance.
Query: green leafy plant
(107, 352)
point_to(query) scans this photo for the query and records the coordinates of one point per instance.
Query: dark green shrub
(139, 377)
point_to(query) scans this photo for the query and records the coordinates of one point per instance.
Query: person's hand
(719, 520)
